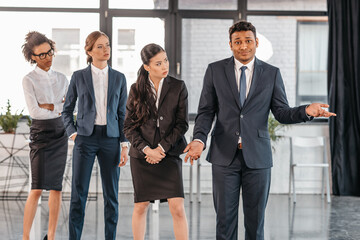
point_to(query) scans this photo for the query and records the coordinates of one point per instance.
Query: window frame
(173, 19)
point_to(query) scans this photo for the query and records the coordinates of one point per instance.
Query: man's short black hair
(242, 26)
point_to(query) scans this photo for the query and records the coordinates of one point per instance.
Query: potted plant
(8, 122)
(273, 127)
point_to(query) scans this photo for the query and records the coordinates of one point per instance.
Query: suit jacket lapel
(164, 90)
(230, 76)
(111, 83)
(255, 79)
(89, 81)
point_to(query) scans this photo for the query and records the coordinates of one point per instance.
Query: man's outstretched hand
(316, 110)
(194, 150)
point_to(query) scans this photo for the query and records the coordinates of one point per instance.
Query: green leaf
(8, 122)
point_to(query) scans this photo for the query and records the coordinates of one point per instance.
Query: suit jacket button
(241, 116)
(237, 133)
(161, 118)
(162, 131)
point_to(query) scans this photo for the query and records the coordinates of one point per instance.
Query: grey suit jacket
(220, 98)
(81, 89)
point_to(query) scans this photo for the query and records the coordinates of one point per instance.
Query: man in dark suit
(240, 91)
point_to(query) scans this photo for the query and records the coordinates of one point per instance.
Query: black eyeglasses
(43, 55)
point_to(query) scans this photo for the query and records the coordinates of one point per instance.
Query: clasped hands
(154, 156)
(194, 150)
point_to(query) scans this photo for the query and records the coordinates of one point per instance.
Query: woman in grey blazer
(155, 123)
(100, 93)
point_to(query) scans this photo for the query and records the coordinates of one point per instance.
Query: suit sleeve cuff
(72, 134)
(198, 140)
(124, 144)
(144, 149)
(308, 116)
(161, 147)
(58, 108)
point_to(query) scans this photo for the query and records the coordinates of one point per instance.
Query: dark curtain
(344, 95)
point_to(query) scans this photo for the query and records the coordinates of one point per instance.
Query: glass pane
(68, 45)
(49, 4)
(130, 35)
(208, 4)
(199, 49)
(313, 49)
(278, 45)
(298, 5)
(139, 4)
(68, 30)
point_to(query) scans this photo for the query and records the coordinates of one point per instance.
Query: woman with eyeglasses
(44, 91)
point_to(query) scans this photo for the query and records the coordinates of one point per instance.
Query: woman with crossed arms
(44, 91)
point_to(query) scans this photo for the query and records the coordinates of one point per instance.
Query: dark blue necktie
(242, 85)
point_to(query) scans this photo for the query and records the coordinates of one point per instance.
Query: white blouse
(42, 87)
(100, 82)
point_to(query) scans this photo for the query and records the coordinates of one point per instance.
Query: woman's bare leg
(139, 220)
(177, 210)
(30, 211)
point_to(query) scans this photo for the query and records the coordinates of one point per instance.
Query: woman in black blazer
(155, 123)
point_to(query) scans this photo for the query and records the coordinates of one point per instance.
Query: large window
(68, 53)
(68, 30)
(301, 60)
(194, 33)
(208, 4)
(198, 51)
(297, 5)
(312, 62)
(139, 4)
(130, 35)
(50, 4)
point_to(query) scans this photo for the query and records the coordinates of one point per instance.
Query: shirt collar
(97, 71)
(152, 84)
(42, 72)
(249, 65)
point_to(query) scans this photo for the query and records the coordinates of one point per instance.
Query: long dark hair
(143, 99)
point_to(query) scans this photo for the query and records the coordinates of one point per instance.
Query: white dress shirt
(100, 82)
(248, 74)
(41, 87)
(157, 94)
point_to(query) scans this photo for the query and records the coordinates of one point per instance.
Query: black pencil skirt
(48, 152)
(157, 181)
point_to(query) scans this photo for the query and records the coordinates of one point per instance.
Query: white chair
(305, 143)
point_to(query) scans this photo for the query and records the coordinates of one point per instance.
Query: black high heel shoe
(45, 238)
